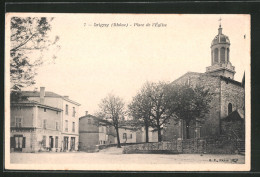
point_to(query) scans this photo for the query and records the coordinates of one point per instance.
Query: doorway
(50, 141)
(66, 143)
(72, 143)
(19, 143)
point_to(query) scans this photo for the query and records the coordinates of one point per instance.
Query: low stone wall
(161, 147)
(190, 146)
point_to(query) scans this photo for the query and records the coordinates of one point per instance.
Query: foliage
(29, 41)
(192, 103)
(156, 103)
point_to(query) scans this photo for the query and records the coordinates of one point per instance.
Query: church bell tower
(220, 61)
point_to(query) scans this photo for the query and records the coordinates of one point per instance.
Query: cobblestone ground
(114, 155)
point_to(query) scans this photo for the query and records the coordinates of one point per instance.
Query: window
(67, 109)
(56, 142)
(45, 123)
(18, 122)
(57, 126)
(222, 55)
(73, 112)
(131, 136)
(216, 55)
(89, 121)
(229, 108)
(73, 126)
(66, 125)
(45, 110)
(124, 136)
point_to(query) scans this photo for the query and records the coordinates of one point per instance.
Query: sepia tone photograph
(127, 92)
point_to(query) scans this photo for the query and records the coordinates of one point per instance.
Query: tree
(191, 104)
(140, 109)
(29, 41)
(112, 109)
(161, 96)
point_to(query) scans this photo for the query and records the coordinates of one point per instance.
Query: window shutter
(12, 142)
(23, 142)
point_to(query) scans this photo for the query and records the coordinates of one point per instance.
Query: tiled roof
(32, 103)
(96, 118)
(47, 94)
(235, 115)
(37, 94)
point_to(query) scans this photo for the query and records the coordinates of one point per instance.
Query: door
(66, 143)
(51, 142)
(19, 143)
(72, 143)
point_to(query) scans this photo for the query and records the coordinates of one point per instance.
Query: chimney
(86, 113)
(42, 94)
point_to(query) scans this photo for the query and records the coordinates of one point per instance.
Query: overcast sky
(95, 61)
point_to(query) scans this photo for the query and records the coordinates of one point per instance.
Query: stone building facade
(228, 94)
(94, 131)
(68, 124)
(35, 127)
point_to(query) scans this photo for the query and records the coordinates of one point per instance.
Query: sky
(94, 61)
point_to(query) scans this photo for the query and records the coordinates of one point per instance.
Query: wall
(51, 116)
(88, 133)
(70, 118)
(128, 133)
(27, 114)
(231, 93)
(191, 146)
(212, 124)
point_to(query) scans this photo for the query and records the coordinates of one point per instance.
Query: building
(35, 127)
(69, 119)
(228, 94)
(94, 131)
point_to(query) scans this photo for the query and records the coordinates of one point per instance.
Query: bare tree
(162, 96)
(112, 108)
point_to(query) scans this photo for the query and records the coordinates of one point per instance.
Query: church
(227, 107)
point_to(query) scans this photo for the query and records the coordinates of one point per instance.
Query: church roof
(186, 74)
(209, 75)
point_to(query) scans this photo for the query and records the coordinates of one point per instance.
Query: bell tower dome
(220, 60)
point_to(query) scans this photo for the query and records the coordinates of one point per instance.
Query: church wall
(231, 93)
(211, 126)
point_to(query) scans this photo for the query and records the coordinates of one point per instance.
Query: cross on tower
(220, 21)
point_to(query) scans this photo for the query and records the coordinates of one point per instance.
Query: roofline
(231, 80)
(56, 96)
(187, 73)
(99, 119)
(71, 101)
(36, 104)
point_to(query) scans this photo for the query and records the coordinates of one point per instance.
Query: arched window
(229, 108)
(222, 55)
(216, 55)
(227, 54)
